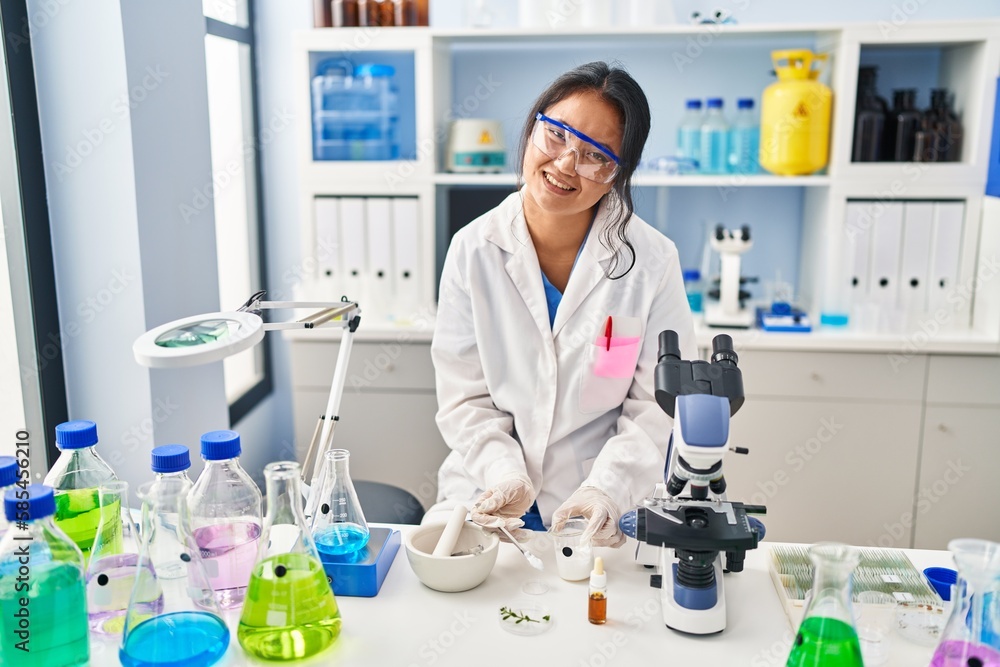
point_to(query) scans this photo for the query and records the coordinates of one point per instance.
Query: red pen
(607, 333)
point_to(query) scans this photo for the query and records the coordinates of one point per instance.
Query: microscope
(730, 311)
(686, 537)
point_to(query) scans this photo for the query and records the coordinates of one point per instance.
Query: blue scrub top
(553, 297)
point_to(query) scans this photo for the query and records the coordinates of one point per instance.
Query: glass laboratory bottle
(183, 626)
(901, 126)
(172, 461)
(226, 517)
(54, 599)
(744, 139)
(827, 636)
(76, 476)
(714, 139)
(339, 527)
(9, 473)
(290, 611)
(869, 119)
(689, 132)
(111, 573)
(972, 634)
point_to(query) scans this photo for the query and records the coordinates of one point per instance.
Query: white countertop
(409, 625)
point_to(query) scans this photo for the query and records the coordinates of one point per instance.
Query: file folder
(918, 222)
(354, 255)
(886, 240)
(406, 245)
(327, 244)
(858, 230)
(946, 252)
(380, 272)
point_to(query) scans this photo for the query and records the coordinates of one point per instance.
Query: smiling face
(553, 184)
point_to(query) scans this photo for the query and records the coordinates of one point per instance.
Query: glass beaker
(48, 589)
(113, 568)
(574, 557)
(972, 634)
(827, 636)
(339, 527)
(289, 611)
(185, 627)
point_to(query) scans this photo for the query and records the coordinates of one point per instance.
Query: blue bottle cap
(220, 445)
(714, 102)
(76, 434)
(371, 69)
(171, 458)
(744, 103)
(9, 471)
(693, 104)
(41, 503)
(692, 275)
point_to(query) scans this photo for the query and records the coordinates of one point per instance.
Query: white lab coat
(516, 395)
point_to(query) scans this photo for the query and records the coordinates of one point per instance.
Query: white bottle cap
(598, 578)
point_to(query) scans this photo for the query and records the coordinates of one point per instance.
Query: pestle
(452, 529)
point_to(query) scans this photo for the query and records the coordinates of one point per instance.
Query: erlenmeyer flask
(289, 611)
(972, 635)
(114, 559)
(339, 527)
(827, 636)
(186, 628)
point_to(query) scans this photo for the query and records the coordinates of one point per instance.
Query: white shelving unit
(878, 386)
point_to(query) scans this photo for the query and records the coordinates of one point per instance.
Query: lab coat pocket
(608, 373)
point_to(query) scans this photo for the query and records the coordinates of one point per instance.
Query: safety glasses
(593, 161)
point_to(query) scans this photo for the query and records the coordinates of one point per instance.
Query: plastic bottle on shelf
(694, 289)
(714, 139)
(226, 517)
(744, 139)
(901, 126)
(689, 132)
(172, 461)
(76, 477)
(56, 597)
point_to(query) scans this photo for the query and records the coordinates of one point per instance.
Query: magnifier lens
(198, 333)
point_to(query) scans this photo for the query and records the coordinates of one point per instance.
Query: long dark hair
(616, 87)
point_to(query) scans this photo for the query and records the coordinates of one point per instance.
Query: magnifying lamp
(203, 339)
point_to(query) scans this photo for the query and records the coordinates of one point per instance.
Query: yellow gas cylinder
(795, 116)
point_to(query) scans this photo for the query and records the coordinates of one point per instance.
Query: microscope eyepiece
(722, 350)
(669, 345)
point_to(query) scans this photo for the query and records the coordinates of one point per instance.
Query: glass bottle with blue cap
(9, 473)
(76, 477)
(226, 517)
(172, 461)
(45, 622)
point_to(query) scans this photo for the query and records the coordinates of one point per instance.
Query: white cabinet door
(392, 436)
(828, 469)
(958, 494)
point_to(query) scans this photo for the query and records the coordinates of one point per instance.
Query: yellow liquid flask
(795, 116)
(114, 567)
(289, 611)
(184, 625)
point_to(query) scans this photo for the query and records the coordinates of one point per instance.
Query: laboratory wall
(11, 400)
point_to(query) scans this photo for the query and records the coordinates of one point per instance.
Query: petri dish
(534, 587)
(921, 623)
(526, 618)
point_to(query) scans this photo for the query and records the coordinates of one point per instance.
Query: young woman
(549, 311)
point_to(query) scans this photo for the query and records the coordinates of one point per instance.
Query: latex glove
(601, 514)
(503, 504)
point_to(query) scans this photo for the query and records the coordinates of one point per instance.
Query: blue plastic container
(355, 111)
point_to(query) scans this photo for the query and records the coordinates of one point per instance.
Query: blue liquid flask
(339, 527)
(714, 139)
(689, 132)
(744, 140)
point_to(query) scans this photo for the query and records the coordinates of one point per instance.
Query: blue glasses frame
(579, 135)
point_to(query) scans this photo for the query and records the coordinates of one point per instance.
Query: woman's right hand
(503, 504)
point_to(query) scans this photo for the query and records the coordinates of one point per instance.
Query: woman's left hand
(601, 514)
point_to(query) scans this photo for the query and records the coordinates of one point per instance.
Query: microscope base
(692, 621)
(715, 316)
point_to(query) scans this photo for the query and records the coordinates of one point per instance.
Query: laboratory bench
(408, 624)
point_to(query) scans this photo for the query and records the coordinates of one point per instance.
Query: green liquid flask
(76, 476)
(43, 605)
(827, 636)
(289, 611)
